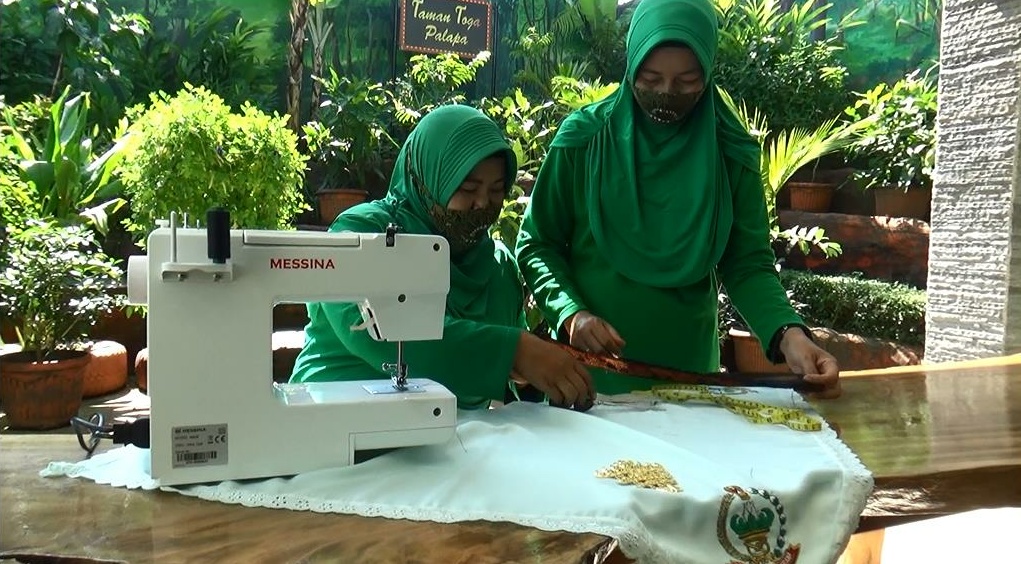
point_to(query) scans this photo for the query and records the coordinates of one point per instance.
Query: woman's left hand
(818, 366)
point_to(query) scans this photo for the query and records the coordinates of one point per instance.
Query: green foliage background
(899, 36)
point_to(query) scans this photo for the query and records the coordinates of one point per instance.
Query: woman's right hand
(593, 334)
(554, 372)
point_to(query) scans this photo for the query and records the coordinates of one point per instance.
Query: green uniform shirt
(637, 221)
(484, 316)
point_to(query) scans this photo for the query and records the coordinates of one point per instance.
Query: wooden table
(81, 518)
(939, 440)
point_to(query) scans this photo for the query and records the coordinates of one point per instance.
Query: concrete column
(974, 282)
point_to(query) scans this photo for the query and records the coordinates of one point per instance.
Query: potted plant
(56, 284)
(347, 143)
(189, 152)
(895, 149)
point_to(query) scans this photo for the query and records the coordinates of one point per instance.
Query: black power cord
(93, 430)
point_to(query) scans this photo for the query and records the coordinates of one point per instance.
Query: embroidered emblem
(760, 527)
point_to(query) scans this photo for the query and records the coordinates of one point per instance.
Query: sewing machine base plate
(389, 388)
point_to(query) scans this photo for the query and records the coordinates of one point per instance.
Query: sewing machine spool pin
(218, 269)
(218, 236)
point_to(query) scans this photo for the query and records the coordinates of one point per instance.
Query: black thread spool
(218, 235)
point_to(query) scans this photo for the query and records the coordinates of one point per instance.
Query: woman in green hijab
(450, 179)
(649, 199)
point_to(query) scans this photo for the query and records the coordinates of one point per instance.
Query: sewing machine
(216, 413)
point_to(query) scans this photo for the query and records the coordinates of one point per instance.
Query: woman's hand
(554, 372)
(592, 334)
(818, 366)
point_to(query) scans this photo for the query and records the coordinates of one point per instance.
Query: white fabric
(535, 466)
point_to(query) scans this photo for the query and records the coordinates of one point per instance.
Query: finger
(829, 377)
(568, 394)
(588, 398)
(823, 371)
(555, 396)
(518, 379)
(601, 340)
(586, 380)
(589, 342)
(580, 382)
(614, 335)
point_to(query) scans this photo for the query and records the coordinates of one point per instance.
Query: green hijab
(658, 195)
(440, 153)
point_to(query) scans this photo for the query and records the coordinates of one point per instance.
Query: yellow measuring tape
(756, 412)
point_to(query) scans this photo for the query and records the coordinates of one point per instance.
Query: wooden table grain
(939, 440)
(78, 518)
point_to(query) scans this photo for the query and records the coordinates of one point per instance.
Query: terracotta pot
(42, 395)
(748, 355)
(811, 196)
(894, 202)
(333, 201)
(107, 370)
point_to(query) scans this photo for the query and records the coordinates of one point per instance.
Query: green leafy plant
(857, 305)
(69, 180)
(189, 152)
(348, 140)
(769, 59)
(432, 81)
(528, 126)
(897, 146)
(55, 285)
(17, 199)
(784, 154)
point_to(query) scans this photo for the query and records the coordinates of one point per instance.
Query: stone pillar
(974, 282)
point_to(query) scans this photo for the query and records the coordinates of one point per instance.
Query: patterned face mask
(666, 107)
(463, 229)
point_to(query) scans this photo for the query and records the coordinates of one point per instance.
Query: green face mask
(666, 107)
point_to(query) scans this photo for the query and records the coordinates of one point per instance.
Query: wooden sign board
(463, 27)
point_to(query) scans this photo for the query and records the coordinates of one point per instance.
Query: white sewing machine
(216, 413)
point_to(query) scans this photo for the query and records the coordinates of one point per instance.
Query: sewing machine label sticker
(201, 445)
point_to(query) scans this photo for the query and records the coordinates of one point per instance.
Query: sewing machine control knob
(218, 235)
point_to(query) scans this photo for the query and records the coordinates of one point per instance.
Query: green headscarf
(439, 154)
(658, 195)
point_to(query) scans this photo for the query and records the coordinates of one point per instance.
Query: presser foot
(398, 381)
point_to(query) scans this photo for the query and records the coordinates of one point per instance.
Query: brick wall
(974, 283)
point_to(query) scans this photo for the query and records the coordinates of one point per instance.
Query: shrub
(854, 304)
(55, 284)
(769, 60)
(897, 145)
(190, 152)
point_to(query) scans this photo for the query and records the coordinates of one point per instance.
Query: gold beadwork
(650, 475)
